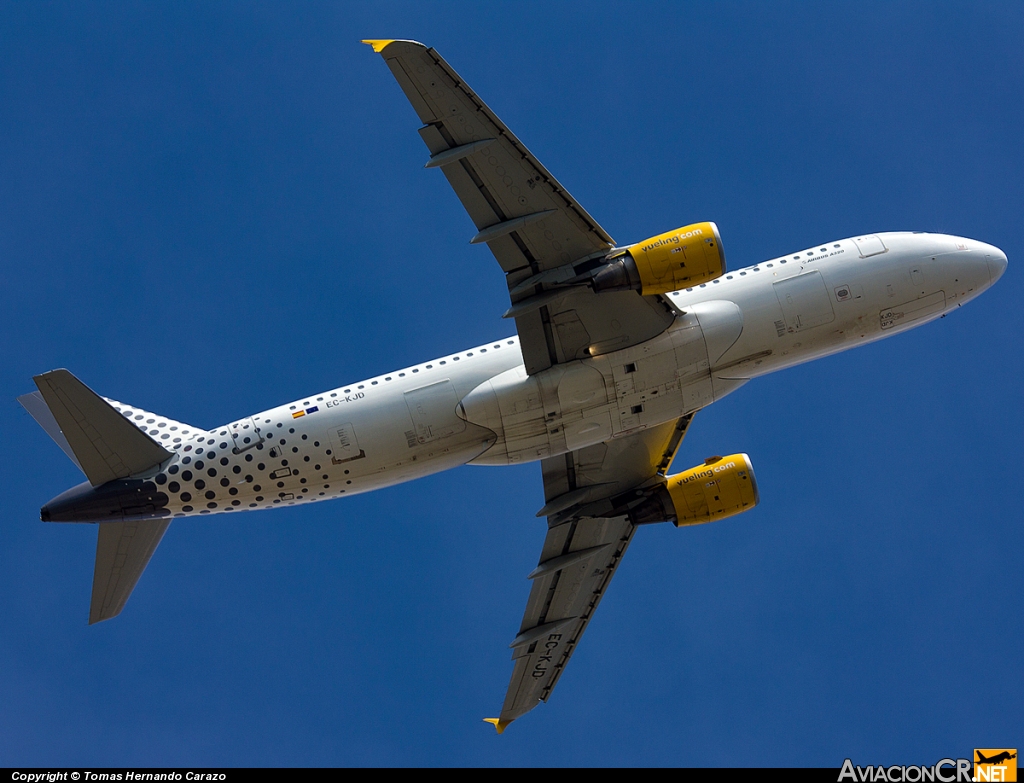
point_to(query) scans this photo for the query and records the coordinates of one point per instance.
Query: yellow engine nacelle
(677, 259)
(721, 487)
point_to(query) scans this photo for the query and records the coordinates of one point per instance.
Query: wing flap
(580, 555)
(615, 466)
(528, 220)
(571, 592)
(579, 323)
(511, 180)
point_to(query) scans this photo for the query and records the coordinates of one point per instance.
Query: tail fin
(34, 403)
(105, 446)
(100, 441)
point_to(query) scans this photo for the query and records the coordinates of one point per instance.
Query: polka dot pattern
(290, 460)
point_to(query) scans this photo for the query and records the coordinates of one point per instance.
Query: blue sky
(210, 209)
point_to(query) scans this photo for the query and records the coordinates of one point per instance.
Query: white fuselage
(480, 406)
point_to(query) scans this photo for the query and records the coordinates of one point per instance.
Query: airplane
(617, 347)
(996, 759)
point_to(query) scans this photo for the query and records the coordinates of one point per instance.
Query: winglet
(378, 44)
(498, 723)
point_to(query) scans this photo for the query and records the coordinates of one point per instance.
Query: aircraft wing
(523, 214)
(580, 555)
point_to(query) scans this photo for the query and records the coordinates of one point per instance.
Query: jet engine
(721, 487)
(677, 259)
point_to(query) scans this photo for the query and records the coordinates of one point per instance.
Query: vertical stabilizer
(34, 403)
(106, 446)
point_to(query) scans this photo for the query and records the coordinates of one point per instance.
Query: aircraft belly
(481, 406)
(852, 301)
(585, 402)
(408, 435)
(370, 435)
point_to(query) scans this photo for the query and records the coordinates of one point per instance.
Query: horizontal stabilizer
(34, 403)
(106, 445)
(122, 551)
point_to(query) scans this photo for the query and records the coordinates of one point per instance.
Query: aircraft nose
(996, 264)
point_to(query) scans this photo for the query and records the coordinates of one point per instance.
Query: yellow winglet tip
(498, 723)
(378, 44)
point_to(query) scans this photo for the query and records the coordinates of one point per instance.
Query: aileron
(584, 545)
(528, 220)
(618, 348)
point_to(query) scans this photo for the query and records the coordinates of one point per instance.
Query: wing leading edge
(533, 225)
(579, 556)
(523, 214)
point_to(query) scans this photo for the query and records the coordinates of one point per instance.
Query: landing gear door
(245, 435)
